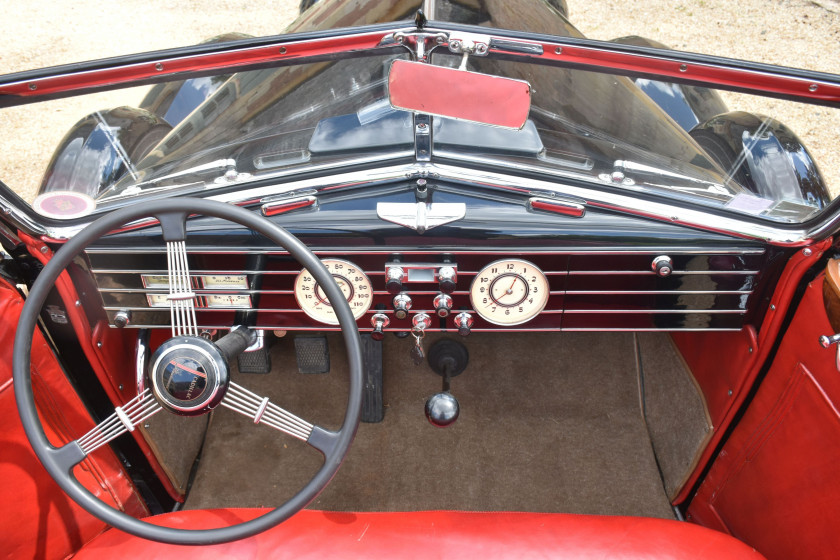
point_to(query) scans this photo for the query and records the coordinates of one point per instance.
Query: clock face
(509, 292)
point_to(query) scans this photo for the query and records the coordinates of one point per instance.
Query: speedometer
(354, 284)
(509, 292)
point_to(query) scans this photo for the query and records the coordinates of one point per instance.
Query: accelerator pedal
(373, 408)
(313, 353)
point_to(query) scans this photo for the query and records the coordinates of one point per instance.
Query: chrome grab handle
(826, 342)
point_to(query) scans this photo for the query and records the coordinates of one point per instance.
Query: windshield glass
(733, 151)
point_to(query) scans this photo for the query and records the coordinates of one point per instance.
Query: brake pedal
(312, 353)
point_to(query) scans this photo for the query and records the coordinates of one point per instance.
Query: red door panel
(776, 483)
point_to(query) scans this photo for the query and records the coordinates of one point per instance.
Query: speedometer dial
(509, 292)
(354, 284)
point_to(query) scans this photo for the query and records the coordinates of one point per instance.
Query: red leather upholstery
(37, 520)
(434, 534)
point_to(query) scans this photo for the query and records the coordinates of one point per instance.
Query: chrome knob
(448, 278)
(402, 303)
(442, 410)
(122, 319)
(443, 305)
(662, 265)
(464, 321)
(394, 279)
(379, 322)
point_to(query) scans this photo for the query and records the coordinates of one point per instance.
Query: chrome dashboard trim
(657, 210)
(447, 252)
(331, 328)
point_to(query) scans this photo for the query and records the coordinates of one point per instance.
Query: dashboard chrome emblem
(421, 216)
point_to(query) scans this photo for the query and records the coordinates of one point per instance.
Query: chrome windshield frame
(775, 81)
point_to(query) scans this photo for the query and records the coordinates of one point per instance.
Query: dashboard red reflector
(274, 208)
(557, 207)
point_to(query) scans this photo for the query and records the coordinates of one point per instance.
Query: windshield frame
(613, 58)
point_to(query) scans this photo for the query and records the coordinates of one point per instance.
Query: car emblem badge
(421, 216)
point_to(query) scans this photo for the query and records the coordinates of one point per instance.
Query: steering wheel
(189, 374)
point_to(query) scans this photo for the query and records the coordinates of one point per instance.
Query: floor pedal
(256, 361)
(312, 353)
(373, 409)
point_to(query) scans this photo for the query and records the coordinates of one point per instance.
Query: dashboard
(502, 267)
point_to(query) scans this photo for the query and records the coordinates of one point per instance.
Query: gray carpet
(549, 422)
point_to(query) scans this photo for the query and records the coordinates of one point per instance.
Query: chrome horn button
(189, 375)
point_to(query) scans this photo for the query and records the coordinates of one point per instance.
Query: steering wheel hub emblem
(189, 375)
(184, 378)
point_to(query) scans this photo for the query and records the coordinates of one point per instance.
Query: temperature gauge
(228, 301)
(509, 292)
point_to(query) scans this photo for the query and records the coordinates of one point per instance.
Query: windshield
(233, 129)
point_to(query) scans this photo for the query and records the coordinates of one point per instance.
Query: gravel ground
(798, 33)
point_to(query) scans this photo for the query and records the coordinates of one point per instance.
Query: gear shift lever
(448, 358)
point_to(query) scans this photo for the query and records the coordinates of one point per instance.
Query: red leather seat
(433, 534)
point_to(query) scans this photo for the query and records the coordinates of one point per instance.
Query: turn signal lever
(448, 358)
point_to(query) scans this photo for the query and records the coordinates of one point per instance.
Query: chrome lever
(826, 342)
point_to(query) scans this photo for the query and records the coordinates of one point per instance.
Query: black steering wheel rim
(49, 455)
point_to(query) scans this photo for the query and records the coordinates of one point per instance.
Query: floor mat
(549, 422)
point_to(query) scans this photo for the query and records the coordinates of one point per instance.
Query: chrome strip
(552, 311)
(655, 292)
(142, 355)
(441, 251)
(661, 211)
(559, 273)
(653, 311)
(332, 328)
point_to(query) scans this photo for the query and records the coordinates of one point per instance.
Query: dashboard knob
(420, 322)
(394, 279)
(122, 319)
(379, 322)
(447, 277)
(662, 265)
(443, 305)
(464, 321)
(402, 303)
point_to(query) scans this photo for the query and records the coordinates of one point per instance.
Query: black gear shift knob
(442, 409)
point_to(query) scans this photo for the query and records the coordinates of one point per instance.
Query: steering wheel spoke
(181, 297)
(124, 419)
(262, 411)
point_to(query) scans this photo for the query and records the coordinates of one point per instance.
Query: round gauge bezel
(534, 314)
(358, 312)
